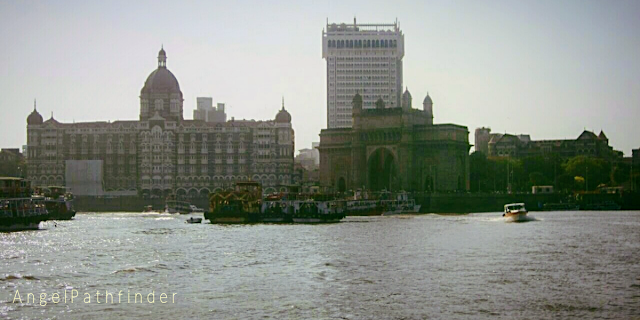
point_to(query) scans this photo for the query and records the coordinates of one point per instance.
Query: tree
(595, 171)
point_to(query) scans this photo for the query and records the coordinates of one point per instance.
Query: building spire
(162, 57)
(282, 102)
(34, 104)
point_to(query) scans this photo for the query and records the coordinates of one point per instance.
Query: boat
(312, 211)
(277, 211)
(402, 204)
(194, 220)
(172, 205)
(364, 208)
(195, 209)
(241, 205)
(19, 210)
(561, 206)
(59, 203)
(603, 206)
(515, 212)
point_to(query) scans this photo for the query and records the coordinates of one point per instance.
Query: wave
(17, 277)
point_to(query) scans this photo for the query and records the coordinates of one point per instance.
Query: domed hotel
(161, 153)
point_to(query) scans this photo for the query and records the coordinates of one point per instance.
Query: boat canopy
(514, 206)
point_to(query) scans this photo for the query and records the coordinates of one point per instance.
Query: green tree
(595, 171)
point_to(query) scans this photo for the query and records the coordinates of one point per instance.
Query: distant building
(635, 156)
(395, 149)
(309, 158)
(161, 153)
(206, 112)
(364, 59)
(520, 146)
(11, 163)
(482, 137)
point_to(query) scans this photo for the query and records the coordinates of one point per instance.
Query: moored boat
(18, 209)
(515, 212)
(194, 220)
(195, 209)
(603, 206)
(177, 206)
(59, 203)
(242, 205)
(312, 211)
(568, 206)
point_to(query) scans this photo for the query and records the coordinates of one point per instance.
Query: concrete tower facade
(364, 59)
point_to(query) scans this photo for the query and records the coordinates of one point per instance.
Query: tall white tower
(364, 59)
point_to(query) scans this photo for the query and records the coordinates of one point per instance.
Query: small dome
(283, 116)
(427, 100)
(357, 98)
(162, 52)
(34, 117)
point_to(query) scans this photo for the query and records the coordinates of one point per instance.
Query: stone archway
(342, 185)
(428, 184)
(381, 170)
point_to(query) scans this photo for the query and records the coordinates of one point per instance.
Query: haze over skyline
(541, 68)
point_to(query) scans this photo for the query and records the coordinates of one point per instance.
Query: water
(561, 265)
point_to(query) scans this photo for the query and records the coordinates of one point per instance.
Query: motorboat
(194, 220)
(515, 212)
(195, 209)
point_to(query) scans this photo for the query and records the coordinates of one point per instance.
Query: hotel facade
(161, 153)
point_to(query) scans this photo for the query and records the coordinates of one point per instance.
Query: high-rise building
(206, 112)
(482, 136)
(364, 59)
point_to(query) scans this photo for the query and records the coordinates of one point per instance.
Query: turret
(427, 107)
(406, 100)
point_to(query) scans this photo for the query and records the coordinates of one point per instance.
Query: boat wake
(525, 219)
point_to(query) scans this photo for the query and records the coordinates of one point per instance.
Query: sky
(550, 69)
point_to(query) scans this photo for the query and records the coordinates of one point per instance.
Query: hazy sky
(546, 68)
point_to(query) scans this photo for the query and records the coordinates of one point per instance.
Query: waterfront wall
(431, 203)
(126, 204)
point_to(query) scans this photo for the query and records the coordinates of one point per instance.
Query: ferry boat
(242, 205)
(515, 212)
(312, 211)
(18, 209)
(277, 211)
(172, 205)
(363, 208)
(402, 204)
(59, 203)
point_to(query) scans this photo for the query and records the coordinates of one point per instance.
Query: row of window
(362, 43)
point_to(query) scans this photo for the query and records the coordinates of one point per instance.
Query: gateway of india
(395, 149)
(161, 153)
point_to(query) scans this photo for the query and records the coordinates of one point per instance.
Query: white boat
(194, 220)
(195, 209)
(401, 205)
(515, 212)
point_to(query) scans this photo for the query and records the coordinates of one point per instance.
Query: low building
(520, 146)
